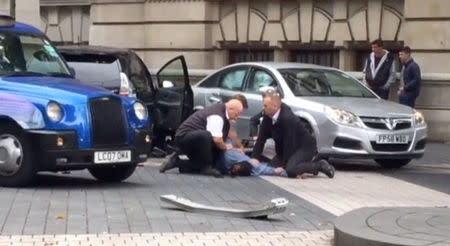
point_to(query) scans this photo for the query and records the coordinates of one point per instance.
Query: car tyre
(16, 167)
(115, 173)
(392, 163)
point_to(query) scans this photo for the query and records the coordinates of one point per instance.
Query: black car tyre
(16, 167)
(115, 173)
(392, 163)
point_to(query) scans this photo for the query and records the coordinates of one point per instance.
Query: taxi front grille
(108, 122)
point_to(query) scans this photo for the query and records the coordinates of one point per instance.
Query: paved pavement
(393, 226)
(61, 206)
(290, 238)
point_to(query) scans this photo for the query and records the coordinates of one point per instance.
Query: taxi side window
(11, 53)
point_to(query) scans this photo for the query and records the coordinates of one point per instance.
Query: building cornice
(65, 2)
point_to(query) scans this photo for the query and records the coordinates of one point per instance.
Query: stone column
(221, 58)
(427, 32)
(27, 11)
(280, 55)
(7, 7)
(374, 17)
(346, 59)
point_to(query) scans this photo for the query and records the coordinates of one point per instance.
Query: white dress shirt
(214, 125)
(275, 117)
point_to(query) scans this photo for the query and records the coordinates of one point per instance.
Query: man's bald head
(271, 103)
(234, 108)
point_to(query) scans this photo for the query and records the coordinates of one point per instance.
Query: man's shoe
(211, 172)
(172, 162)
(326, 168)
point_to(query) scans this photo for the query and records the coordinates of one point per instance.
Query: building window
(248, 55)
(329, 58)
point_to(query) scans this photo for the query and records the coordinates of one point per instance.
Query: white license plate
(112, 156)
(392, 139)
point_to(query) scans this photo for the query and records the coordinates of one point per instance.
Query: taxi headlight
(140, 111)
(54, 111)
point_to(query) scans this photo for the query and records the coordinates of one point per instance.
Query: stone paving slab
(393, 226)
(350, 190)
(77, 204)
(307, 238)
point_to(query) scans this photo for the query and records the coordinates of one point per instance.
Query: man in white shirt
(203, 135)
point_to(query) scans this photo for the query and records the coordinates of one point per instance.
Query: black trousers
(302, 161)
(199, 147)
(407, 100)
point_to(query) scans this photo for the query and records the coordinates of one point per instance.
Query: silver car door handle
(214, 99)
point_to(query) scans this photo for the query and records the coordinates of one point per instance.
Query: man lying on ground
(235, 163)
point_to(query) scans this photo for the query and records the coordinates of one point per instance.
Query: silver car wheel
(11, 155)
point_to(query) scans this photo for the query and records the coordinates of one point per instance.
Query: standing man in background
(379, 71)
(410, 79)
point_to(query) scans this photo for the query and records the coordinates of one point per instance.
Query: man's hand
(254, 161)
(278, 171)
(241, 149)
(400, 91)
(229, 146)
(386, 87)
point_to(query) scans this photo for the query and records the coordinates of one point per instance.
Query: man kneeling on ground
(295, 147)
(202, 138)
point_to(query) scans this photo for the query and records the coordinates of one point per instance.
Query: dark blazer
(255, 120)
(289, 135)
(412, 79)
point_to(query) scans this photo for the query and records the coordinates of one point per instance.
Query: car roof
(22, 28)
(283, 65)
(93, 49)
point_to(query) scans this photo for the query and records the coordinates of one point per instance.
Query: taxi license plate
(112, 156)
(392, 139)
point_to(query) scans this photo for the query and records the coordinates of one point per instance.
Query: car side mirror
(72, 71)
(264, 89)
(167, 84)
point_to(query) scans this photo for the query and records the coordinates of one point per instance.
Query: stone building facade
(214, 33)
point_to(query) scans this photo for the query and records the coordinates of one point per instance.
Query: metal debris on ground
(275, 206)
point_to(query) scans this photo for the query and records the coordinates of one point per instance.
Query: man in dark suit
(295, 147)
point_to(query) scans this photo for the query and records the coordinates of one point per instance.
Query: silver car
(347, 119)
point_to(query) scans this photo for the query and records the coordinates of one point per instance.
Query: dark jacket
(412, 79)
(197, 121)
(255, 120)
(289, 135)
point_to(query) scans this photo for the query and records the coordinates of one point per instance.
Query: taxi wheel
(113, 173)
(392, 163)
(16, 168)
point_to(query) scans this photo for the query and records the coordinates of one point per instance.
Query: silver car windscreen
(323, 83)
